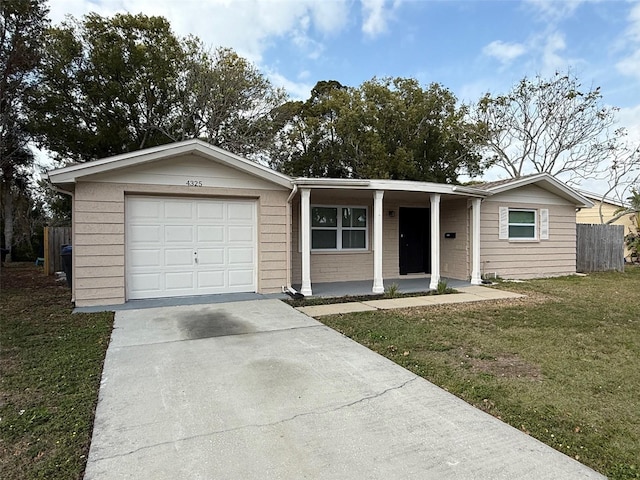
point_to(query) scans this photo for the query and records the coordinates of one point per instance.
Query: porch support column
(476, 277)
(378, 282)
(435, 241)
(305, 227)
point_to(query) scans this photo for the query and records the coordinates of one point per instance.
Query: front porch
(369, 234)
(409, 284)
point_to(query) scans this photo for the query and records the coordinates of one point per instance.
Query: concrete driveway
(258, 390)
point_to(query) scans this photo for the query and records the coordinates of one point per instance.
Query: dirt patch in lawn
(507, 365)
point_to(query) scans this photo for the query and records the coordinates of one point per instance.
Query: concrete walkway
(258, 390)
(467, 294)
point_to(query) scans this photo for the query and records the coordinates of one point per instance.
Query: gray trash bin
(67, 262)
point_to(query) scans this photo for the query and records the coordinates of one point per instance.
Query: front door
(415, 244)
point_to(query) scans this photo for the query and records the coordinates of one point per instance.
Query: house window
(338, 228)
(522, 224)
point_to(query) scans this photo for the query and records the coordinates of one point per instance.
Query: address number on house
(194, 183)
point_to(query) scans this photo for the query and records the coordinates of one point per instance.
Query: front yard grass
(562, 364)
(50, 367)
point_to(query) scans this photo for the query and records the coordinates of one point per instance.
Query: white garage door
(187, 246)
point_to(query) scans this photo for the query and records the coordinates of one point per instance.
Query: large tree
(551, 125)
(22, 26)
(107, 86)
(113, 85)
(386, 128)
(226, 101)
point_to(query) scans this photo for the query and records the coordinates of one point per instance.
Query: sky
(470, 47)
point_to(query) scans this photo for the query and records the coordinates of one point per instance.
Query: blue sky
(468, 46)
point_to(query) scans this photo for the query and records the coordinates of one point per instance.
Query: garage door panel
(213, 210)
(209, 234)
(144, 258)
(240, 212)
(211, 257)
(188, 246)
(179, 281)
(240, 278)
(145, 282)
(178, 234)
(145, 208)
(144, 234)
(179, 209)
(240, 256)
(178, 257)
(240, 234)
(212, 280)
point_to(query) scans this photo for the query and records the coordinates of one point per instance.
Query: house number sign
(194, 183)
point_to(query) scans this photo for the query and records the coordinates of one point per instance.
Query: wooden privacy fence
(599, 248)
(54, 239)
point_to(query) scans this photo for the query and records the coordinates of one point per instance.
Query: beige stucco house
(191, 219)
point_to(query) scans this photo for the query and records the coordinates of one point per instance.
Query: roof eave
(71, 174)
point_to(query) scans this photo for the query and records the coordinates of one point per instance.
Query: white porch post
(378, 283)
(305, 227)
(476, 278)
(435, 241)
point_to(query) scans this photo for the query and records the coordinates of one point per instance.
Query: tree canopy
(389, 128)
(545, 125)
(113, 85)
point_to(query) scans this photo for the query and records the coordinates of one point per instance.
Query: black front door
(415, 245)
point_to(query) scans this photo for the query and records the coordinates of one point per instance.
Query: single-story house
(189, 218)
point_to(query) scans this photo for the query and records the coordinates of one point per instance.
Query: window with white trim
(339, 227)
(522, 224)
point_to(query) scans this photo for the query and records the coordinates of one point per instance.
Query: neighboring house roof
(71, 174)
(543, 180)
(595, 197)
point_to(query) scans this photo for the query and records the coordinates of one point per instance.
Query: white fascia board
(390, 185)
(428, 187)
(72, 173)
(302, 182)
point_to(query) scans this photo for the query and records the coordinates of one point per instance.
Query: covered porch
(369, 234)
(408, 284)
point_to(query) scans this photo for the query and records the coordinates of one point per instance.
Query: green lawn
(50, 367)
(563, 364)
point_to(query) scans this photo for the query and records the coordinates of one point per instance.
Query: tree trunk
(8, 221)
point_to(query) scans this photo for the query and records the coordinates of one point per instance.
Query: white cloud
(552, 61)
(296, 90)
(629, 117)
(504, 52)
(376, 15)
(554, 10)
(248, 27)
(630, 65)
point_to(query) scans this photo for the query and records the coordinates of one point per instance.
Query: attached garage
(189, 246)
(176, 220)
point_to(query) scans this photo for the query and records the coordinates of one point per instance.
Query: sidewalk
(466, 294)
